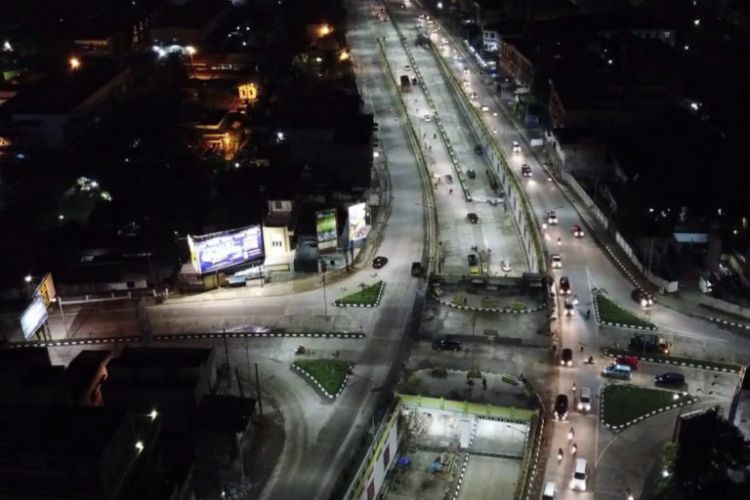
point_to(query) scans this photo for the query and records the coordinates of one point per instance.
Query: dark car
(525, 170)
(472, 259)
(478, 149)
(561, 407)
(566, 357)
(642, 297)
(379, 262)
(670, 379)
(416, 269)
(577, 231)
(564, 285)
(471, 174)
(447, 344)
(414, 81)
(472, 217)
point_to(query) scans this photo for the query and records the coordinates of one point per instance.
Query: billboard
(46, 290)
(33, 317)
(212, 252)
(325, 226)
(358, 228)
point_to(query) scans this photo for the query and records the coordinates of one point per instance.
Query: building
(221, 425)
(172, 380)
(69, 452)
(58, 110)
(188, 23)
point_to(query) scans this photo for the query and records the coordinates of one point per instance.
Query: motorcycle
(590, 360)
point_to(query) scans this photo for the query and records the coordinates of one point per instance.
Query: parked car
(584, 400)
(561, 407)
(566, 357)
(416, 269)
(670, 378)
(617, 371)
(631, 361)
(642, 297)
(564, 285)
(447, 343)
(556, 261)
(472, 217)
(516, 147)
(577, 231)
(379, 262)
(526, 170)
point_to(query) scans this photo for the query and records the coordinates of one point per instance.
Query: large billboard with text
(325, 226)
(358, 227)
(214, 252)
(33, 317)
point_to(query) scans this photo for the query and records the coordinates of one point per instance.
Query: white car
(580, 478)
(516, 147)
(467, 71)
(427, 117)
(505, 265)
(556, 261)
(484, 108)
(551, 218)
(584, 400)
(473, 96)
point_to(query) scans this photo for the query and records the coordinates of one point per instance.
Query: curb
(663, 361)
(507, 310)
(184, 336)
(687, 400)
(338, 303)
(734, 324)
(599, 320)
(312, 380)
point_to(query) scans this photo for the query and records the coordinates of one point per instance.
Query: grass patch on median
(612, 313)
(368, 295)
(329, 373)
(624, 403)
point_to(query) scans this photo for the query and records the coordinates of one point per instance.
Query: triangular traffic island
(623, 405)
(366, 296)
(329, 376)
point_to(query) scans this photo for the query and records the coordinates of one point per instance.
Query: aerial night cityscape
(374, 249)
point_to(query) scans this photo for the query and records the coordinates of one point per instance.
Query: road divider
(718, 366)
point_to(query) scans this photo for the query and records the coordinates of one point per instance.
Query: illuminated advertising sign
(358, 228)
(325, 225)
(33, 317)
(46, 290)
(216, 251)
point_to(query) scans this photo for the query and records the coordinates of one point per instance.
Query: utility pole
(650, 253)
(257, 389)
(324, 268)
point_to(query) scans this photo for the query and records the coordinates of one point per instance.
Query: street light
(74, 63)
(191, 52)
(27, 278)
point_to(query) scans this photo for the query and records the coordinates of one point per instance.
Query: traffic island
(367, 296)
(623, 405)
(327, 375)
(609, 313)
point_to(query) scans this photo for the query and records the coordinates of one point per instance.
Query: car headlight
(570, 363)
(580, 406)
(562, 363)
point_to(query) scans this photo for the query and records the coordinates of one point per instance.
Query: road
(584, 261)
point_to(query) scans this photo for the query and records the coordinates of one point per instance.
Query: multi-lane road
(320, 435)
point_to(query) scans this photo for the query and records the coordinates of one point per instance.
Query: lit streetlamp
(74, 63)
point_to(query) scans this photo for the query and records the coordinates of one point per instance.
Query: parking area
(435, 448)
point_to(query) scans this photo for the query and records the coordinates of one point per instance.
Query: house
(171, 380)
(59, 109)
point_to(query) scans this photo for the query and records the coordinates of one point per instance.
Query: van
(580, 478)
(550, 491)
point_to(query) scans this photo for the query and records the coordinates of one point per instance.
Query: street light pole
(324, 268)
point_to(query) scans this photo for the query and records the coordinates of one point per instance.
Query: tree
(708, 450)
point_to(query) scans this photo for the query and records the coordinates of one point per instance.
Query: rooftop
(63, 431)
(63, 91)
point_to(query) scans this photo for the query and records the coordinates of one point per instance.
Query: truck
(649, 343)
(405, 83)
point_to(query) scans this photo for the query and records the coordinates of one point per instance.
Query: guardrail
(430, 209)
